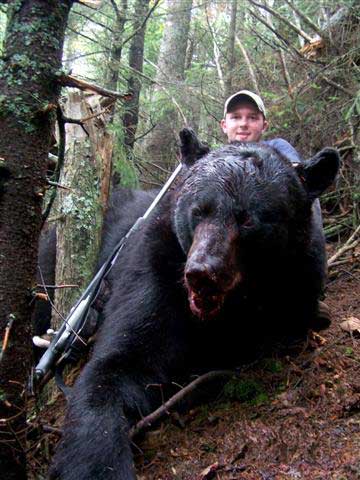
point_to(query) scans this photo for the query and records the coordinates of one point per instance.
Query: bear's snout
(211, 271)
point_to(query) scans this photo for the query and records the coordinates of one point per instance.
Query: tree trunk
(161, 143)
(86, 171)
(116, 44)
(29, 93)
(136, 60)
(231, 60)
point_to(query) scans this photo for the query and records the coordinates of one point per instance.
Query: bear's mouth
(205, 305)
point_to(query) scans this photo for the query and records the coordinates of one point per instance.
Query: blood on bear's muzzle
(211, 271)
(205, 296)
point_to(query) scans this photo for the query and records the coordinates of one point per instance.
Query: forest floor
(299, 417)
(286, 417)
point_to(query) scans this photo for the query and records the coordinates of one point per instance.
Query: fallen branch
(147, 421)
(349, 245)
(70, 81)
(342, 262)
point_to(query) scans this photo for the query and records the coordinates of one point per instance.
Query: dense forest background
(108, 106)
(302, 57)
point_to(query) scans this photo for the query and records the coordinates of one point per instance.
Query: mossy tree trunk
(86, 171)
(29, 93)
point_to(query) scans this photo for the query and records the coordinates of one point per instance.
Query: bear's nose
(200, 277)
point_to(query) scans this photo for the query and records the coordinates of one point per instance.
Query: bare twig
(349, 245)
(39, 285)
(277, 34)
(58, 185)
(156, 3)
(337, 85)
(307, 20)
(92, 40)
(166, 91)
(164, 409)
(248, 63)
(106, 27)
(273, 12)
(145, 133)
(217, 53)
(88, 54)
(104, 110)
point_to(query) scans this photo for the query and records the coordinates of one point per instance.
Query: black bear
(229, 255)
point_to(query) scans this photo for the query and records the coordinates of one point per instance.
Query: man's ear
(190, 147)
(266, 126)
(318, 173)
(223, 125)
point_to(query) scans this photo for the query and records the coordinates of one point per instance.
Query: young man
(245, 121)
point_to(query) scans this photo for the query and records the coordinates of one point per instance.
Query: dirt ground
(293, 416)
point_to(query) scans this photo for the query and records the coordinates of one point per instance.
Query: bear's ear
(318, 173)
(190, 147)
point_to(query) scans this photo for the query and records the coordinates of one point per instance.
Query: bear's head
(237, 208)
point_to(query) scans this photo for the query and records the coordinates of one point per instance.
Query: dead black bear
(229, 253)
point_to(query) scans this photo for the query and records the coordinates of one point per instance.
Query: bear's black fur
(229, 256)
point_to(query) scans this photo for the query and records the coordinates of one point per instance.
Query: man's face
(244, 123)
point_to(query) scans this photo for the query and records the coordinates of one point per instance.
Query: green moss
(349, 352)
(122, 162)
(246, 390)
(272, 365)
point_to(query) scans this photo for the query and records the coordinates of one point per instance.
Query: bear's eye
(196, 212)
(200, 211)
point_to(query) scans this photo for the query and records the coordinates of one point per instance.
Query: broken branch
(164, 409)
(70, 81)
